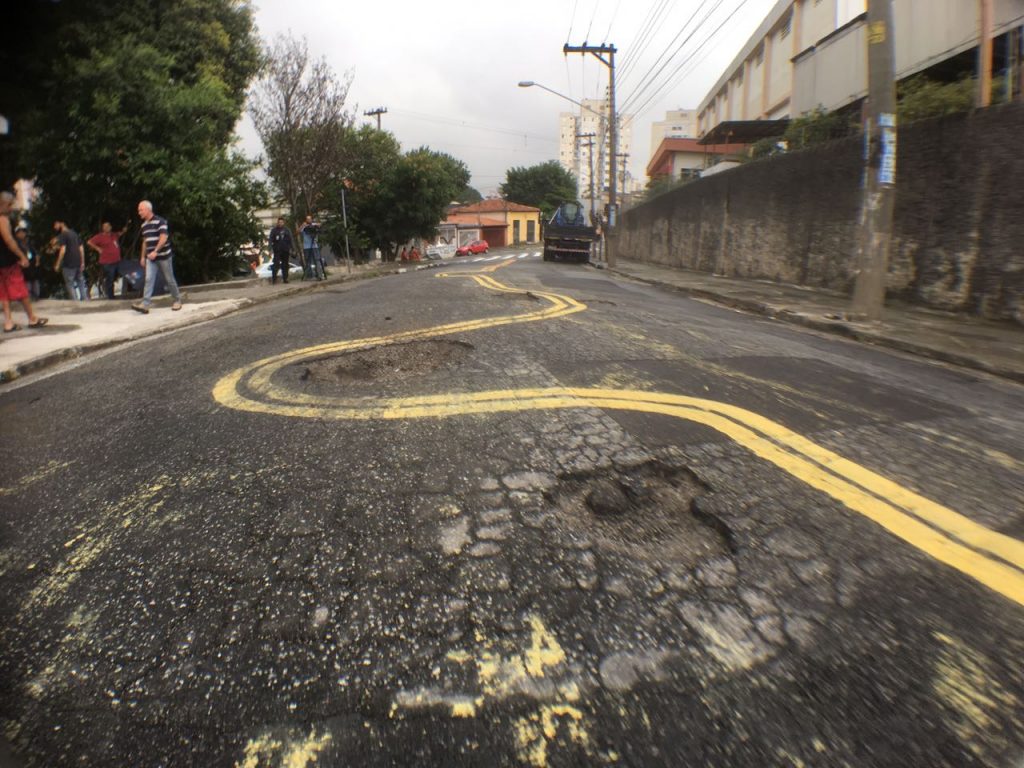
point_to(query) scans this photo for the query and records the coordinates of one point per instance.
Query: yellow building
(522, 222)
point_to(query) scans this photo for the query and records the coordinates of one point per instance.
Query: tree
(545, 186)
(134, 100)
(298, 107)
(469, 195)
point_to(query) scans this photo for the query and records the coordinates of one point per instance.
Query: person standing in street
(71, 261)
(310, 231)
(281, 245)
(12, 261)
(157, 254)
(105, 243)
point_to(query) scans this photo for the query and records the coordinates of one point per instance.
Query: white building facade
(810, 53)
(584, 144)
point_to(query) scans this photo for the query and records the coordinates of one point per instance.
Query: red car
(477, 246)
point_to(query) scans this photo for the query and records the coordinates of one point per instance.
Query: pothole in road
(647, 511)
(392, 362)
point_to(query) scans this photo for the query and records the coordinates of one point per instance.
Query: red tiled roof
(496, 206)
(472, 220)
(668, 147)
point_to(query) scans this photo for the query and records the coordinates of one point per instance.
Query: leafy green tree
(545, 186)
(132, 100)
(469, 195)
(921, 97)
(817, 127)
(298, 107)
(390, 197)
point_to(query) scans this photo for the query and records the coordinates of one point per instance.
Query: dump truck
(567, 236)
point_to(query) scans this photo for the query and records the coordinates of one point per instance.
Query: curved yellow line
(940, 532)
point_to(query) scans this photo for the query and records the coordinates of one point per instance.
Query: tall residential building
(577, 156)
(678, 124)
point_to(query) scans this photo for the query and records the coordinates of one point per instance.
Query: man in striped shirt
(156, 255)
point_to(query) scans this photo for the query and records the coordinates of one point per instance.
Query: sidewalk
(76, 328)
(994, 347)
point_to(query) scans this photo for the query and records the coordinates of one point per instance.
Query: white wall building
(808, 53)
(575, 156)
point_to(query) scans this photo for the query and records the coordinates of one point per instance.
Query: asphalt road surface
(518, 513)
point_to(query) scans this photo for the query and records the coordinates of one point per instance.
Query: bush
(921, 98)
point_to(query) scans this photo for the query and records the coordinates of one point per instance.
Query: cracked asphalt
(191, 584)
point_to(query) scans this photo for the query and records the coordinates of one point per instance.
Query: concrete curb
(66, 354)
(848, 330)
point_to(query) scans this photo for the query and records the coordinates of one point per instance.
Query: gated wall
(958, 231)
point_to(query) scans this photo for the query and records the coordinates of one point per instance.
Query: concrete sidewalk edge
(846, 329)
(59, 356)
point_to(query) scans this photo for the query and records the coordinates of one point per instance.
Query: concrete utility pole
(985, 55)
(590, 163)
(880, 166)
(599, 52)
(376, 113)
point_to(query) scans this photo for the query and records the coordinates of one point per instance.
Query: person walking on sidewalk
(310, 231)
(71, 261)
(157, 254)
(12, 260)
(281, 245)
(106, 244)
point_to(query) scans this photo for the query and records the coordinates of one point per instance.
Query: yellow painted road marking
(993, 559)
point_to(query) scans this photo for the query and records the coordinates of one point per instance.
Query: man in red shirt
(105, 243)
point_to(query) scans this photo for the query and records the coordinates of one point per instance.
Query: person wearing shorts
(12, 261)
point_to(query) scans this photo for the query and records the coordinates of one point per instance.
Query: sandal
(12, 329)
(39, 323)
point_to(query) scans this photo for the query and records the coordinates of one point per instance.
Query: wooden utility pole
(985, 55)
(599, 52)
(880, 166)
(376, 113)
(590, 164)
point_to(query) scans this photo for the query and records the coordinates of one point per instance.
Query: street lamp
(581, 105)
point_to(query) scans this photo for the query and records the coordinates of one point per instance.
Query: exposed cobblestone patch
(388, 363)
(645, 512)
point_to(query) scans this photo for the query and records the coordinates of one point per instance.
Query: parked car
(477, 246)
(294, 270)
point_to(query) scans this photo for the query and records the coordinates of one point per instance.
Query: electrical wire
(572, 20)
(641, 40)
(473, 126)
(659, 92)
(610, 23)
(597, 4)
(654, 70)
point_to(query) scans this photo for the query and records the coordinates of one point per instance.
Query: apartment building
(810, 53)
(578, 152)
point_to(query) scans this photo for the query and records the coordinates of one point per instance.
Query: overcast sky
(448, 71)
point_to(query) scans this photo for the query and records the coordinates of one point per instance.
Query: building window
(759, 57)
(787, 27)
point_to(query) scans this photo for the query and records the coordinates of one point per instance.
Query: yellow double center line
(992, 558)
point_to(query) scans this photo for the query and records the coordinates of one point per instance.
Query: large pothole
(388, 363)
(647, 511)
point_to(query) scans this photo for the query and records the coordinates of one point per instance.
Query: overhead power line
(643, 37)
(472, 126)
(667, 83)
(654, 70)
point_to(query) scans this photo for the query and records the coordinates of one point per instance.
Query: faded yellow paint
(964, 683)
(35, 477)
(266, 751)
(535, 732)
(992, 558)
(544, 650)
